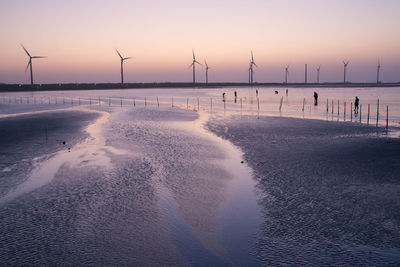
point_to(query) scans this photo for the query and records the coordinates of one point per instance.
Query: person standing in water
(356, 104)
(235, 96)
(315, 99)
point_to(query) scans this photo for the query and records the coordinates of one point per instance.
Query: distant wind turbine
(305, 73)
(207, 68)
(193, 65)
(251, 69)
(286, 73)
(378, 69)
(345, 70)
(122, 65)
(318, 71)
(30, 62)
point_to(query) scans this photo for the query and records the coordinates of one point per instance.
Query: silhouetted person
(356, 104)
(315, 99)
(223, 96)
(256, 92)
(287, 92)
(235, 96)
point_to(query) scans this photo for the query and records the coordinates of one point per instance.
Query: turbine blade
(255, 64)
(190, 66)
(125, 58)
(39, 57)
(27, 66)
(119, 53)
(194, 58)
(26, 51)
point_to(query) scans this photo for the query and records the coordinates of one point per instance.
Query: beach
(168, 186)
(329, 191)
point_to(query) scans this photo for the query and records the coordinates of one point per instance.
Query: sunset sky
(79, 38)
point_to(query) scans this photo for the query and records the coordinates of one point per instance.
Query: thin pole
(134, 102)
(121, 101)
(338, 107)
(304, 102)
(172, 102)
(387, 117)
(344, 112)
(360, 111)
(99, 101)
(377, 114)
(198, 104)
(327, 106)
(368, 114)
(241, 106)
(109, 101)
(280, 104)
(145, 101)
(351, 111)
(158, 104)
(332, 106)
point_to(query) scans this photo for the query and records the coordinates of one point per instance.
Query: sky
(79, 38)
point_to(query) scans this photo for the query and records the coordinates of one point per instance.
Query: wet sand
(329, 191)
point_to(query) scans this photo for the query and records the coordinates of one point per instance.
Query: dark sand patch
(25, 140)
(330, 191)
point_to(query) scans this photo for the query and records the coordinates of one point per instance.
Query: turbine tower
(193, 65)
(251, 69)
(122, 65)
(305, 73)
(378, 69)
(318, 71)
(286, 73)
(207, 68)
(345, 70)
(30, 62)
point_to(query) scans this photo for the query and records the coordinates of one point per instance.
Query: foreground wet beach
(149, 185)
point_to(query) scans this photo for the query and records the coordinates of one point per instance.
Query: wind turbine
(305, 73)
(207, 68)
(318, 71)
(251, 70)
(30, 62)
(193, 65)
(378, 69)
(345, 70)
(122, 65)
(286, 73)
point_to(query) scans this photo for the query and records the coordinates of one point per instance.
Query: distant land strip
(105, 86)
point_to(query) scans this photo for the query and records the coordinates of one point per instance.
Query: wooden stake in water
(109, 101)
(99, 101)
(280, 104)
(368, 114)
(333, 107)
(351, 111)
(304, 102)
(145, 101)
(121, 101)
(198, 104)
(377, 114)
(172, 102)
(241, 106)
(158, 103)
(344, 112)
(360, 111)
(134, 102)
(327, 106)
(338, 109)
(387, 117)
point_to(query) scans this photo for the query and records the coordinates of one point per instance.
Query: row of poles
(355, 110)
(99, 100)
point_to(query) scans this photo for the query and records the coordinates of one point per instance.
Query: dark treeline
(104, 86)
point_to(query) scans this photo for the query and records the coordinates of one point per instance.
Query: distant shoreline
(105, 86)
